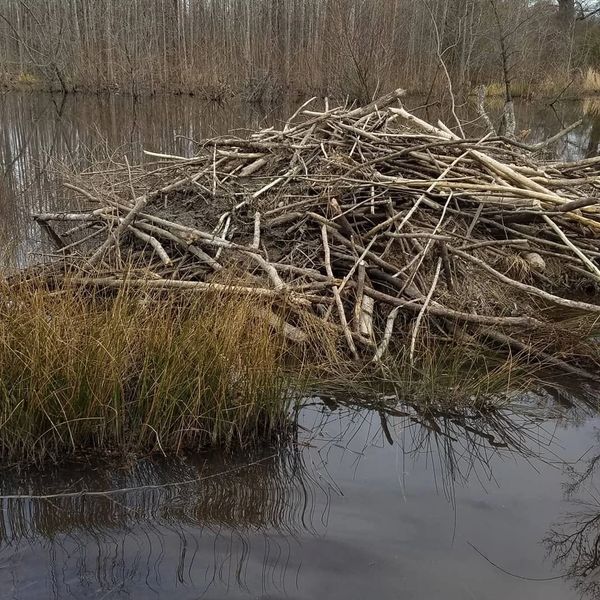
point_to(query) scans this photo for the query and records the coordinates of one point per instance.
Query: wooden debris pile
(379, 223)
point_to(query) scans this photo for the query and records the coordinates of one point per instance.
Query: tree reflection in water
(40, 132)
(574, 540)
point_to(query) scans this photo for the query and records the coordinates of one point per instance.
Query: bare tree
(354, 47)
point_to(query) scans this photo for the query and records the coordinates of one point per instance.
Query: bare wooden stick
(290, 332)
(269, 269)
(336, 293)
(254, 167)
(87, 238)
(584, 306)
(198, 286)
(556, 137)
(584, 259)
(543, 356)
(256, 238)
(140, 203)
(387, 335)
(415, 332)
(148, 239)
(203, 256)
(360, 286)
(456, 315)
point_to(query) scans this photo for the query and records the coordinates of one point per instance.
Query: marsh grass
(591, 107)
(591, 81)
(449, 376)
(137, 372)
(550, 85)
(519, 89)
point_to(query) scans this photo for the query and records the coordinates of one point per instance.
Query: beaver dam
(191, 299)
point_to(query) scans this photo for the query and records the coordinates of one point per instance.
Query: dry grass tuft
(136, 372)
(591, 107)
(142, 371)
(591, 81)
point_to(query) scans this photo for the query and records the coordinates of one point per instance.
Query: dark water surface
(362, 506)
(353, 510)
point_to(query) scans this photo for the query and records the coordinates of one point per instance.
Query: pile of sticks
(380, 224)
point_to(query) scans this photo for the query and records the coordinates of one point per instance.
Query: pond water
(362, 505)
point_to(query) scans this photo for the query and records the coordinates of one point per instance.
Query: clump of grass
(136, 372)
(518, 89)
(495, 89)
(27, 79)
(551, 85)
(451, 376)
(141, 371)
(591, 81)
(591, 107)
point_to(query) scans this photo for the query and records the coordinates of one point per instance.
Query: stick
(336, 293)
(584, 306)
(140, 203)
(198, 286)
(203, 256)
(162, 254)
(413, 339)
(586, 261)
(256, 239)
(387, 334)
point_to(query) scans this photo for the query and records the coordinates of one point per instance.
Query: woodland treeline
(258, 48)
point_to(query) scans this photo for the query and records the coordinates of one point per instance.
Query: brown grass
(591, 81)
(137, 372)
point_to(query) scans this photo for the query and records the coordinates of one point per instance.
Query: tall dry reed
(136, 372)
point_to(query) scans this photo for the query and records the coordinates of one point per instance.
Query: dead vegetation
(131, 374)
(382, 230)
(261, 49)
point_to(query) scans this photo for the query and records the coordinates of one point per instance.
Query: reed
(591, 81)
(136, 372)
(448, 377)
(591, 107)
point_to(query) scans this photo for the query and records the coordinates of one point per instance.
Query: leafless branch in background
(261, 49)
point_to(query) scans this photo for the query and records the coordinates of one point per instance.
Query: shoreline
(278, 95)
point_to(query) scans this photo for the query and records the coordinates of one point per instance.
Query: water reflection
(538, 121)
(591, 111)
(364, 504)
(156, 524)
(574, 540)
(39, 129)
(386, 491)
(268, 492)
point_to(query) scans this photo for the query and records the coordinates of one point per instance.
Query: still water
(352, 510)
(362, 505)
